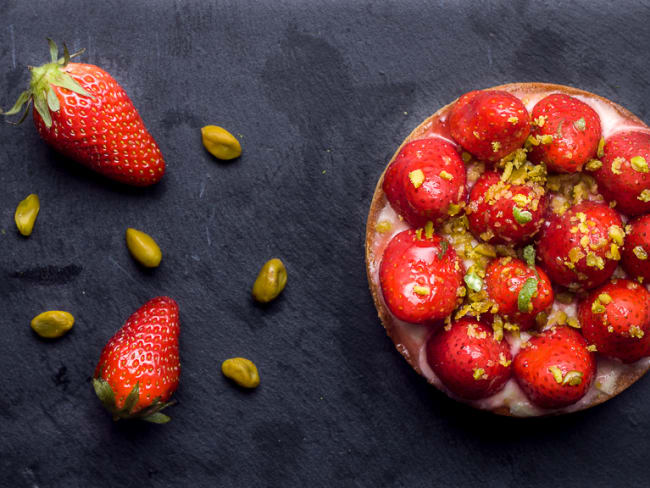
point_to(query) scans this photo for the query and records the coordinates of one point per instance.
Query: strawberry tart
(507, 249)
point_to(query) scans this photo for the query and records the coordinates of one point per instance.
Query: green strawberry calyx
(44, 78)
(152, 413)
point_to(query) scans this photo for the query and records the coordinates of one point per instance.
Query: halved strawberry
(469, 361)
(580, 248)
(520, 291)
(573, 128)
(490, 124)
(624, 176)
(616, 319)
(426, 177)
(500, 212)
(420, 276)
(555, 369)
(636, 250)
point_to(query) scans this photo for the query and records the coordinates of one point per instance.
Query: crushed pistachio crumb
(592, 348)
(593, 165)
(636, 332)
(640, 253)
(466, 157)
(572, 378)
(639, 164)
(428, 230)
(580, 124)
(616, 166)
(417, 178)
(605, 298)
(496, 145)
(453, 209)
(644, 196)
(557, 373)
(383, 226)
(503, 361)
(573, 322)
(546, 139)
(616, 234)
(513, 120)
(418, 234)
(601, 148)
(479, 374)
(446, 176)
(423, 291)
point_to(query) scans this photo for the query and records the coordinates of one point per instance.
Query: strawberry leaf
(132, 399)
(157, 418)
(526, 295)
(40, 104)
(23, 98)
(66, 81)
(521, 216)
(54, 51)
(105, 393)
(53, 101)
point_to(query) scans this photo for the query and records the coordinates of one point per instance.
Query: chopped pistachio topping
(616, 166)
(521, 216)
(595, 261)
(572, 378)
(592, 348)
(533, 141)
(496, 145)
(639, 164)
(417, 178)
(557, 318)
(557, 373)
(476, 134)
(529, 255)
(580, 124)
(421, 290)
(593, 165)
(453, 209)
(466, 157)
(485, 250)
(503, 361)
(616, 234)
(601, 148)
(513, 120)
(383, 226)
(479, 374)
(546, 139)
(597, 306)
(428, 230)
(644, 196)
(418, 234)
(573, 322)
(605, 298)
(446, 176)
(540, 121)
(497, 327)
(640, 253)
(636, 332)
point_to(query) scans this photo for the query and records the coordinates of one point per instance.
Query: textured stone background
(320, 94)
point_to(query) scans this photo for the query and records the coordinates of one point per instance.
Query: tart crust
(522, 90)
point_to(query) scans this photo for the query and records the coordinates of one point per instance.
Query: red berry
(505, 278)
(624, 176)
(424, 179)
(636, 250)
(555, 369)
(490, 124)
(139, 368)
(420, 277)
(616, 319)
(575, 130)
(82, 112)
(469, 361)
(500, 212)
(578, 249)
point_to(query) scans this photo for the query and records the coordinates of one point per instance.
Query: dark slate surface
(320, 95)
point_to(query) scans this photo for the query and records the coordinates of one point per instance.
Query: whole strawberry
(139, 368)
(574, 131)
(420, 275)
(520, 291)
(636, 250)
(82, 112)
(469, 361)
(580, 248)
(490, 124)
(616, 319)
(503, 213)
(426, 177)
(624, 176)
(555, 369)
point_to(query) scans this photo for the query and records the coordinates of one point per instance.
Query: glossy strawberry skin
(559, 347)
(505, 278)
(458, 352)
(420, 277)
(489, 124)
(622, 183)
(575, 128)
(104, 133)
(636, 250)
(620, 328)
(558, 244)
(144, 351)
(430, 199)
(491, 206)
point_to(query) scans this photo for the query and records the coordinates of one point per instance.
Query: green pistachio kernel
(143, 248)
(242, 371)
(26, 213)
(524, 303)
(270, 281)
(52, 324)
(220, 143)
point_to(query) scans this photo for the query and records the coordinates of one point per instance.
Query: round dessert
(506, 249)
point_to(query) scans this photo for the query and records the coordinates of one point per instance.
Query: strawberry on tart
(507, 249)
